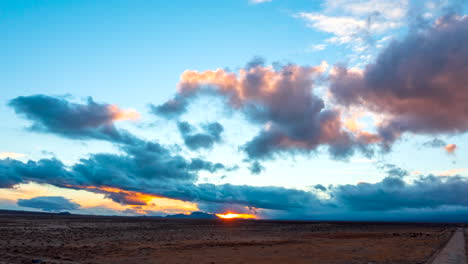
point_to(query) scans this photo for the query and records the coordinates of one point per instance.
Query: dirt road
(454, 251)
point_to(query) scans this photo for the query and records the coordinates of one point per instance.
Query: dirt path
(454, 251)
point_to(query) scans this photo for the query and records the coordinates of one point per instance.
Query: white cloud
(346, 28)
(339, 26)
(390, 10)
(358, 24)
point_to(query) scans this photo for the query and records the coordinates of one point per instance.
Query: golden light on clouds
(144, 203)
(123, 114)
(91, 201)
(353, 124)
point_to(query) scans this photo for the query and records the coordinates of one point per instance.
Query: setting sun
(234, 215)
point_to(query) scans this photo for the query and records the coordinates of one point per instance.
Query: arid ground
(51, 238)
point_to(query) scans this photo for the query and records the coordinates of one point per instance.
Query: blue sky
(134, 54)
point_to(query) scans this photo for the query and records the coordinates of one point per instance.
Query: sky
(276, 109)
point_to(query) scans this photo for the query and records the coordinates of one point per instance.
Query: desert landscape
(54, 238)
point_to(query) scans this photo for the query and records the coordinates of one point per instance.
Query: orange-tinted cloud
(89, 197)
(123, 114)
(352, 124)
(450, 148)
(142, 202)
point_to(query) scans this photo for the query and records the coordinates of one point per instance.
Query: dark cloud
(257, 61)
(267, 197)
(8, 173)
(50, 171)
(199, 164)
(214, 130)
(78, 121)
(280, 99)
(418, 83)
(320, 187)
(256, 168)
(393, 193)
(435, 143)
(394, 171)
(170, 109)
(205, 140)
(49, 203)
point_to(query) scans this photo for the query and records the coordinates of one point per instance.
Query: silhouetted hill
(194, 215)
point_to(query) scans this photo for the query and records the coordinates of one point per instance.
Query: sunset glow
(234, 215)
(123, 114)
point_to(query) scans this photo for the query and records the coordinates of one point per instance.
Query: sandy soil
(80, 239)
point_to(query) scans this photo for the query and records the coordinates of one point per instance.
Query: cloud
(438, 143)
(11, 155)
(417, 83)
(72, 120)
(394, 193)
(357, 24)
(394, 171)
(320, 187)
(450, 148)
(280, 99)
(435, 143)
(256, 167)
(392, 10)
(49, 203)
(13, 172)
(267, 197)
(347, 29)
(195, 141)
(421, 14)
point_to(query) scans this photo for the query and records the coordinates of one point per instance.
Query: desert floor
(89, 239)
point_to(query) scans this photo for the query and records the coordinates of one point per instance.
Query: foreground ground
(86, 239)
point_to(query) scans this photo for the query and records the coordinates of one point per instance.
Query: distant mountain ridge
(194, 215)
